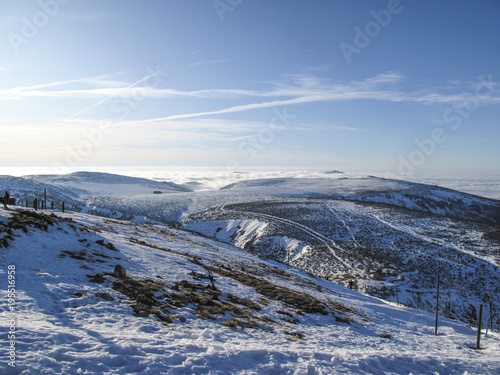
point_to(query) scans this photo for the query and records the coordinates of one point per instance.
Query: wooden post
(491, 312)
(479, 325)
(437, 306)
(52, 205)
(35, 204)
(44, 198)
(62, 206)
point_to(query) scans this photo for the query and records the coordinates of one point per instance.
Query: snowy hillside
(96, 183)
(385, 251)
(188, 304)
(387, 238)
(425, 198)
(76, 189)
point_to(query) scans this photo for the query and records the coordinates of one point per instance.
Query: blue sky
(383, 86)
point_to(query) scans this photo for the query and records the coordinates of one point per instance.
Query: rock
(185, 299)
(142, 313)
(97, 278)
(119, 272)
(141, 298)
(105, 296)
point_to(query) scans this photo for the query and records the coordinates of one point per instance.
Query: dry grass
(291, 298)
(23, 220)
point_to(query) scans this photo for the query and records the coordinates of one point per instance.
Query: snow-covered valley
(251, 278)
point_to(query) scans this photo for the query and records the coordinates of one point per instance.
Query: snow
(59, 332)
(238, 231)
(96, 183)
(342, 224)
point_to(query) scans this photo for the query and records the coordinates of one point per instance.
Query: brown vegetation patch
(244, 302)
(291, 298)
(143, 293)
(23, 219)
(233, 323)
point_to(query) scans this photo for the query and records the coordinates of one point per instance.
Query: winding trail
(325, 240)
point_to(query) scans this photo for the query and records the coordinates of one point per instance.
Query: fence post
(44, 198)
(437, 307)
(62, 206)
(491, 311)
(35, 204)
(479, 325)
(52, 205)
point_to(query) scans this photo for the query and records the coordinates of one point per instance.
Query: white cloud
(39, 90)
(294, 89)
(186, 130)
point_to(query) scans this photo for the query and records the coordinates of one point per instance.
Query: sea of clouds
(207, 179)
(483, 185)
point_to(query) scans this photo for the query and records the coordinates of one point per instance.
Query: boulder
(119, 272)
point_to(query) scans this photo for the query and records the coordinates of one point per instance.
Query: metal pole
(479, 325)
(437, 307)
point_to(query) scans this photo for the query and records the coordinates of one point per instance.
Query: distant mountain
(332, 172)
(27, 189)
(420, 197)
(79, 188)
(107, 183)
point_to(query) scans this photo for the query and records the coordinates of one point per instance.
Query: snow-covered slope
(77, 189)
(383, 250)
(96, 183)
(189, 304)
(421, 197)
(389, 238)
(23, 189)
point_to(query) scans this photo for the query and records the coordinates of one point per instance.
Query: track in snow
(326, 241)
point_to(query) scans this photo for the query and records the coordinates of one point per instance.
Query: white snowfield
(64, 327)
